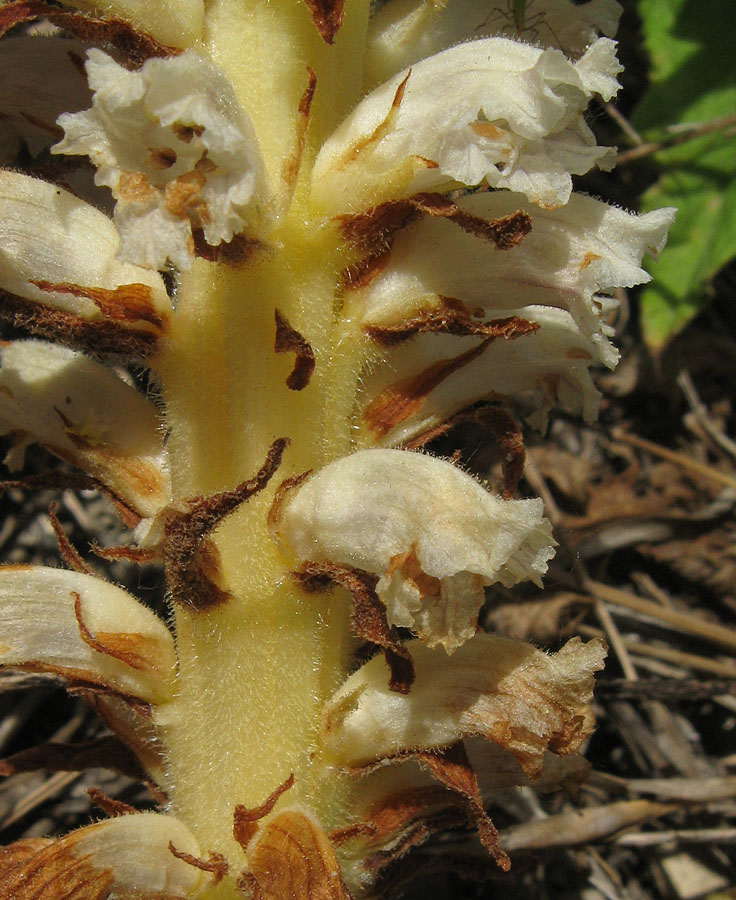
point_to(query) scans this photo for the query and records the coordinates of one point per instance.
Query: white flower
(507, 691)
(423, 382)
(177, 151)
(432, 534)
(59, 253)
(571, 257)
(490, 111)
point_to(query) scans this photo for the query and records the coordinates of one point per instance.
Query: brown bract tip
(362, 145)
(451, 316)
(452, 768)
(340, 836)
(133, 47)
(129, 554)
(282, 491)
(191, 561)
(293, 162)
(233, 253)
(66, 548)
(109, 805)
(396, 403)
(107, 337)
(245, 820)
(327, 16)
(374, 230)
(135, 650)
(368, 615)
(129, 303)
(289, 340)
(216, 865)
(505, 233)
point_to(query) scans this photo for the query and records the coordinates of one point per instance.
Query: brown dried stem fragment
(368, 615)
(327, 16)
(191, 561)
(134, 47)
(54, 756)
(289, 340)
(54, 479)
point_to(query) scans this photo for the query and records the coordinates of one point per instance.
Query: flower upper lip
(491, 110)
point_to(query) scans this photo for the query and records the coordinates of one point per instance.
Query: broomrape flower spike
(284, 170)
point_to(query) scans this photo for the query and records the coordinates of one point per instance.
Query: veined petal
(120, 857)
(84, 629)
(432, 534)
(507, 691)
(58, 253)
(87, 415)
(177, 151)
(178, 23)
(490, 111)
(423, 382)
(405, 31)
(292, 857)
(571, 254)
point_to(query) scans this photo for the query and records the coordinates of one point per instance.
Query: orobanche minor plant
(335, 232)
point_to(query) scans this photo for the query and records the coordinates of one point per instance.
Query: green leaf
(693, 81)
